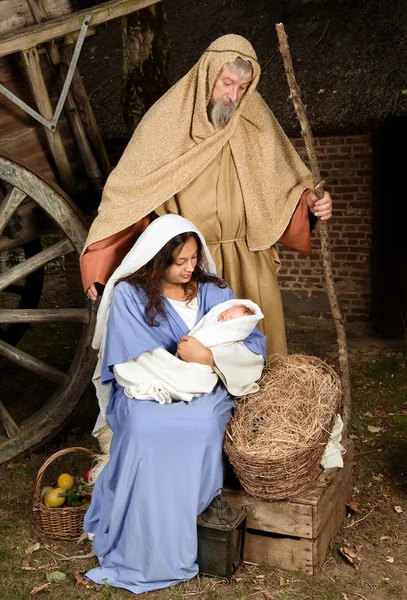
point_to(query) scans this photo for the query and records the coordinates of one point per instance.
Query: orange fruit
(65, 481)
(52, 500)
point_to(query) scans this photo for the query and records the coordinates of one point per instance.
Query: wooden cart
(51, 157)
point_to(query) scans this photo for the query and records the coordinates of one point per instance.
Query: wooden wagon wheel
(26, 428)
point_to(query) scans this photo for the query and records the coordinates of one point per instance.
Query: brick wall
(345, 164)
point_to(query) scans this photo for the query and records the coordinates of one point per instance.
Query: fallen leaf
(282, 581)
(404, 92)
(268, 595)
(374, 429)
(33, 548)
(353, 506)
(351, 556)
(398, 509)
(26, 566)
(321, 91)
(384, 537)
(55, 576)
(353, 436)
(40, 588)
(16, 465)
(359, 547)
(80, 579)
(368, 414)
(389, 559)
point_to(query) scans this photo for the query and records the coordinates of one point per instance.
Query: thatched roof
(353, 50)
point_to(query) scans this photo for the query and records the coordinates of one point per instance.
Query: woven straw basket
(267, 474)
(63, 523)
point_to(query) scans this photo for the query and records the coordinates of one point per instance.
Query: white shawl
(179, 380)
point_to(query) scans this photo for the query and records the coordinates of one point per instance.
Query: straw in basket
(63, 523)
(276, 437)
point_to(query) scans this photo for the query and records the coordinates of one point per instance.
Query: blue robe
(165, 460)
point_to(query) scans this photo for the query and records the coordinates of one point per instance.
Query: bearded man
(212, 151)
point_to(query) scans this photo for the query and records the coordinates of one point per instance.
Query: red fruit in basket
(85, 476)
(88, 497)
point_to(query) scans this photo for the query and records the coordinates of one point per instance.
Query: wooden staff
(299, 107)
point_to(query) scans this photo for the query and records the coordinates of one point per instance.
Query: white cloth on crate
(180, 380)
(332, 456)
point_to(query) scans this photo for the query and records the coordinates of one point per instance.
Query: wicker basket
(268, 475)
(278, 479)
(60, 523)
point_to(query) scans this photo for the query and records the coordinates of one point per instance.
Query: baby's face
(233, 313)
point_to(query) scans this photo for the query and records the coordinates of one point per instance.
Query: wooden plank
(9, 206)
(35, 262)
(34, 315)
(15, 14)
(19, 41)
(285, 518)
(91, 167)
(337, 492)
(332, 524)
(82, 98)
(34, 73)
(285, 552)
(39, 367)
(71, 315)
(8, 422)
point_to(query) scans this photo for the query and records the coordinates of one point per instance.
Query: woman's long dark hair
(150, 275)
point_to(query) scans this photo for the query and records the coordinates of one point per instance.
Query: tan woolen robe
(214, 203)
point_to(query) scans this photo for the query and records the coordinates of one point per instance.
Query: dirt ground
(375, 531)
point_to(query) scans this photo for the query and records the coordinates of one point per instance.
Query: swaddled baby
(225, 326)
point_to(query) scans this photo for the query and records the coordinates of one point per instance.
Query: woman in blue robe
(165, 462)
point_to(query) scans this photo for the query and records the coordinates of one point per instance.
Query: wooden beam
(9, 205)
(33, 364)
(71, 110)
(33, 315)
(35, 262)
(11, 427)
(86, 111)
(25, 39)
(35, 76)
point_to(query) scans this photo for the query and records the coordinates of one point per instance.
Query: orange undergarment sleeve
(298, 233)
(101, 258)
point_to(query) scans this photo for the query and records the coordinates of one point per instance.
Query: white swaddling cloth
(180, 380)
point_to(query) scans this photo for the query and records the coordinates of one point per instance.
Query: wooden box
(296, 534)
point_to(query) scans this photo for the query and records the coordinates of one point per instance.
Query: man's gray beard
(219, 114)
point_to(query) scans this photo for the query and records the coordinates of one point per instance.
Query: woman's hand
(191, 350)
(321, 208)
(92, 293)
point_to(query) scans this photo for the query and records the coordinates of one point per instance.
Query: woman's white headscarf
(161, 231)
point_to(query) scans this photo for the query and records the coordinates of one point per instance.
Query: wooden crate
(296, 534)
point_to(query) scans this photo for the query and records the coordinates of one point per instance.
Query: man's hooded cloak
(175, 141)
